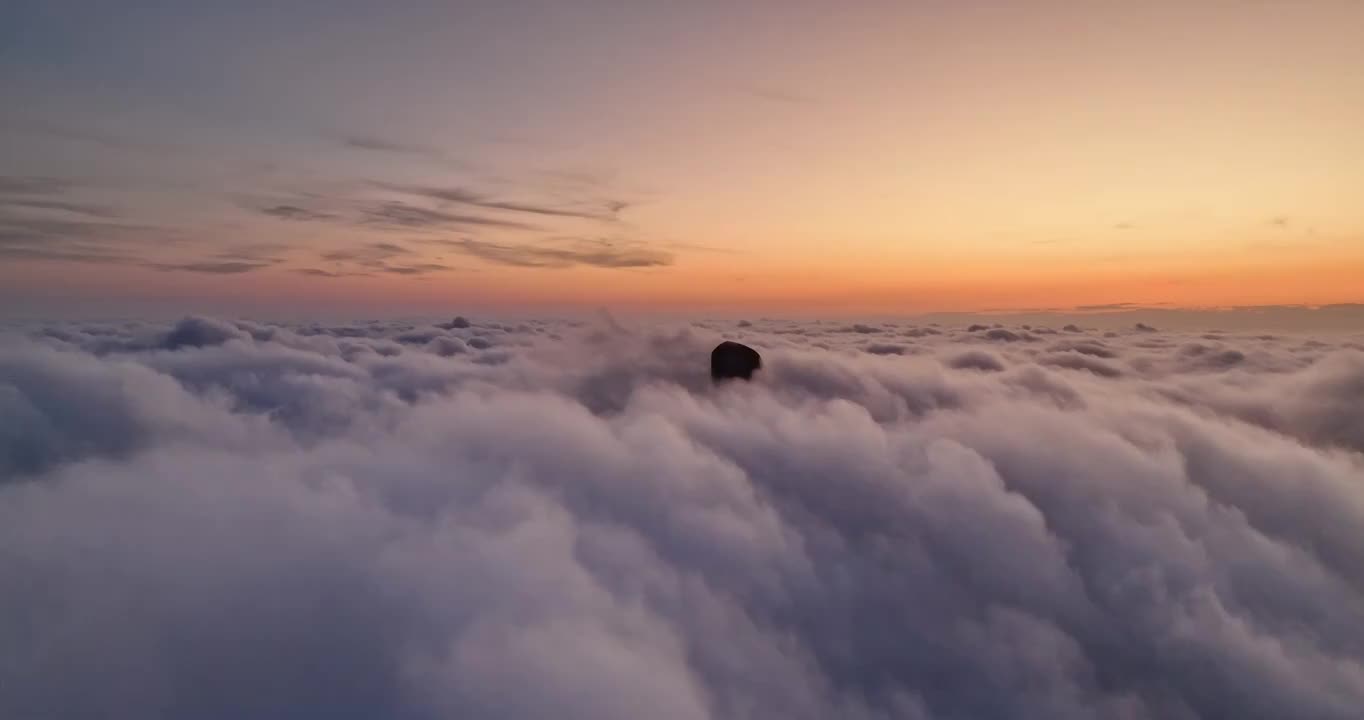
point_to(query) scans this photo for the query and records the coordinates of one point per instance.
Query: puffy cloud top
(224, 519)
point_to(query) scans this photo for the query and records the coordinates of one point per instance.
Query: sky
(775, 157)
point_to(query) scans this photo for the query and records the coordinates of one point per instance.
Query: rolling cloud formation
(227, 519)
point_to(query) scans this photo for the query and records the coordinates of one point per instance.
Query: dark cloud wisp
(603, 210)
(591, 253)
(416, 217)
(383, 145)
(295, 212)
(13, 185)
(224, 267)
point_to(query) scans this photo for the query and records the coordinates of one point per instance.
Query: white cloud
(384, 520)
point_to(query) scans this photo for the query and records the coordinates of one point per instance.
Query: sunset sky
(800, 157)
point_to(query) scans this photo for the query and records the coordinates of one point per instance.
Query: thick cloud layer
(218, 519)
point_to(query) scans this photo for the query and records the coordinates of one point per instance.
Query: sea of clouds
(470, 519)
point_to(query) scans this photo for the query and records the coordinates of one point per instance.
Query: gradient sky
(811, 157)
